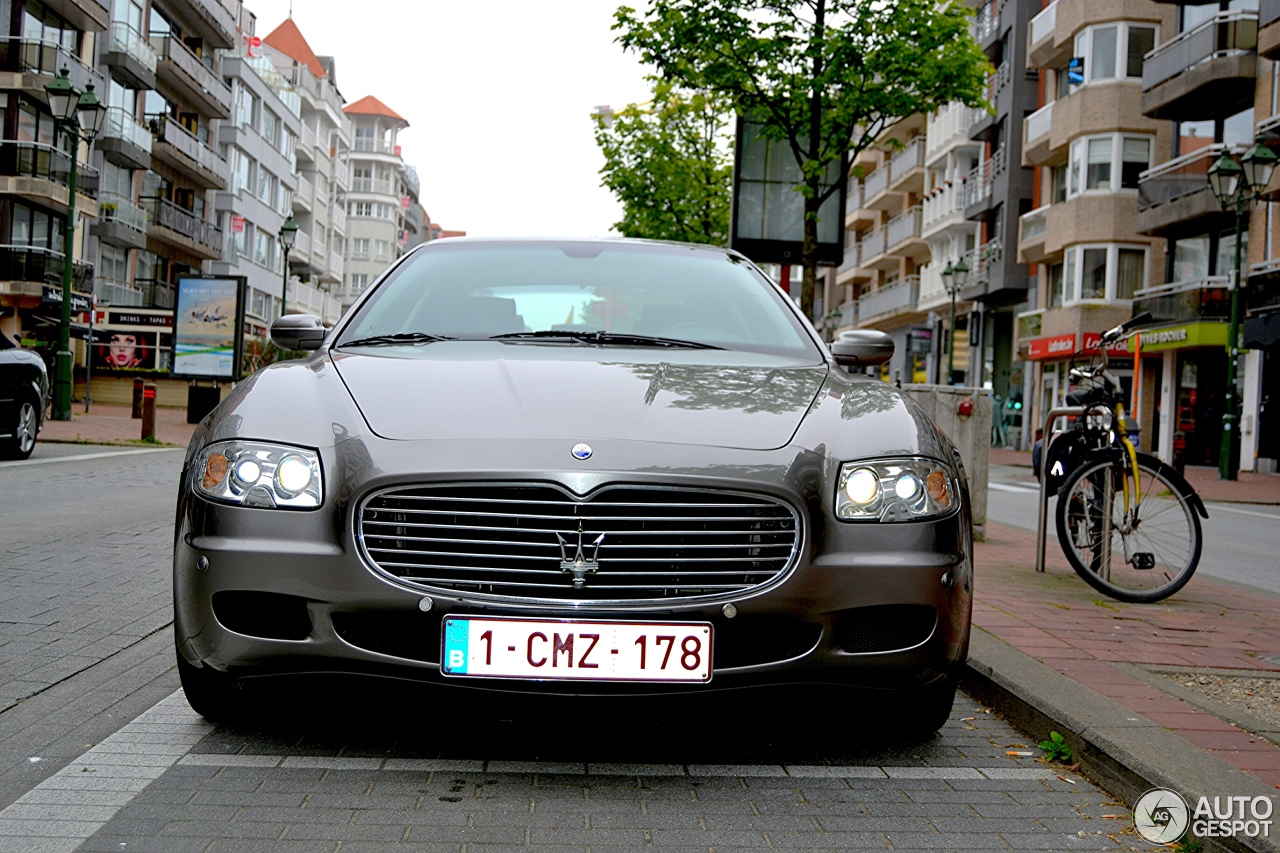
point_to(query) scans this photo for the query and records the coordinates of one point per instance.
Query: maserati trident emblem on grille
(581, 451)
(579, 565)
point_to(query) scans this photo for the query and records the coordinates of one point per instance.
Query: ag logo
(1161, 816)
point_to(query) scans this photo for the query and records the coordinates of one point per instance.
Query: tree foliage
(669, 164)
(826, 77)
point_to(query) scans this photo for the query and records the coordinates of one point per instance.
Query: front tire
(25, 427)
(211, 694)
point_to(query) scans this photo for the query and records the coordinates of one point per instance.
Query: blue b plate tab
(454, 661)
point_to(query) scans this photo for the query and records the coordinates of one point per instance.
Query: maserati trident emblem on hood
(579, 565)
(581, 451)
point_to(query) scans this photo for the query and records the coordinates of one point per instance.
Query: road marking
(83, 456)
(1010, 487)
(112, 773)
(1221, 508)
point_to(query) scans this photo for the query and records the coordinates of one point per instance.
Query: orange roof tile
(371, 106)
(288, 39)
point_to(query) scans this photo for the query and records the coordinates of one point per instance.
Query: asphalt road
(99, 751)
(1241, 541)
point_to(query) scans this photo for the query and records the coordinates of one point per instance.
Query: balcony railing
(39, 56)
(901, 295)
(35, 263)
(172, 49)
(911, 157)
(37, 160)
(306, 191)
(1183, 301)
(338, 218)
(978, 183)
(1033, 224)
(341, 173)
(1181, 176)
(904, 226)
(377, 146)
(1225, 34)
(185, 222)
(370, 185)
(125, 39)
(1039, 122)
(874, 183)
(949, 124)
(169, 130)
(410, 177)
(986, 21)
(873, 243)
(1030, 324)
(118, 124)
(997, 81)
(302, 243)
(1043, 24)
(143, 293)
(848, 314)
(335, 264)
(942, 202)
(853, 196)
(117, 208)
(983, 260)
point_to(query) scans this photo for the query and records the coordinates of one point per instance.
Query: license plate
(576, 649)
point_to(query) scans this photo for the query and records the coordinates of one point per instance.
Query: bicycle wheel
(1147, 554)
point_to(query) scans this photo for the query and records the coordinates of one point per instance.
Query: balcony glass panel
(1183, 301)
(172, 49)
(1034, 224)
(117, 208)
(37, 160)
(904, 226)
(1268, 12)
(872, 185)
(46, 57)
(118, 124)
(1181, 176)
(911, 157)
(1043, 24)
(899, 296)
(33, 263)
(125, 39)
(1225, 34)
(166, 213)
(179, 137)
(873, 244)
(1040, 122)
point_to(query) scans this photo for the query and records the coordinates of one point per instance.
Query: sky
(498, 96)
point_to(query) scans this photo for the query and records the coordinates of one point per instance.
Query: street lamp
(953, 276)
(1237, 183)
(288, 233)
(80, 115)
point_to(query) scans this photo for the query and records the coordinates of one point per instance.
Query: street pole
(284, 288)
(62, 366)
(1229, 452)
(951, 339)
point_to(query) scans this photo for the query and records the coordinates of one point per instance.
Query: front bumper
(268, 592)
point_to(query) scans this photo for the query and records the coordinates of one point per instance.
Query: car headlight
(257, 474)
(895, 490)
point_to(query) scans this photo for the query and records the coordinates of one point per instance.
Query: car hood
(489, 390)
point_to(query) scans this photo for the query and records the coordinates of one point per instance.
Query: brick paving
(1056, 618)
(111, 424)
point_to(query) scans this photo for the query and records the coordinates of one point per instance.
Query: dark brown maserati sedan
(574, 467)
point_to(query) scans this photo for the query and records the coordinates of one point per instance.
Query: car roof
(629, 241)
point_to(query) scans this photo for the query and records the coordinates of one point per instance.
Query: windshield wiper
(607, 339)
(397, 338)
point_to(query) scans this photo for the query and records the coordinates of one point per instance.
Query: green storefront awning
(1183, 336)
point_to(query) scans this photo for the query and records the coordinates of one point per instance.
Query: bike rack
(1053, 415)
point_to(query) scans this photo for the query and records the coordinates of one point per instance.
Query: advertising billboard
(208, 327)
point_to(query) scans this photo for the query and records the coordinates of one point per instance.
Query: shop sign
(237, 224)
(1121, 347)
(139, 318)
(1053, 347)
(80, 302)
(1199, 334)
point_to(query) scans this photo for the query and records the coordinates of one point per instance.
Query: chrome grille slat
(660, 542)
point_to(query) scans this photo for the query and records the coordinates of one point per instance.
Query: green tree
(669, 164)
(826, 77)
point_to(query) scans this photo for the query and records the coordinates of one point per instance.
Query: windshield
(531, 291)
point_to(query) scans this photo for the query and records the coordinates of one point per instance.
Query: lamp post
(1237, 183)
(953, 276)
(80, 115)
(288, 233)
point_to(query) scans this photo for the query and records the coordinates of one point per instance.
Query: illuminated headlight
(895, 490)
(257, 474)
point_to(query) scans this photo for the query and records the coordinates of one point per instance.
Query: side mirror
(298, 331)
(862, 348)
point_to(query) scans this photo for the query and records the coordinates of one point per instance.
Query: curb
(1121, 750)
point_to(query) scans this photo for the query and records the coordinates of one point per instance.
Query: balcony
(949, 127)
(375, 146)
(41, 174)
(1035, 135)
(1177, 192)
(36, 267)
(335, 265)
(943, 208)
(1051, 34)
(124, 140)
(1205, 72)
(904, 234)
(933, 290)
(845, 316)
(979, 182)
(176, 146)
(305, 193)
(851, 270)
(1032, 228)
(1269, 28)
(206, 18)
(121, 222)
(872, 247)
(131, 56)
(984, 264)
(37, 60)
(370, 185)
(1185, 301)
(888, 302)
(338, 219)
(182, 70)
(906, 168)
(341, 174)
(875, 186)
(986, 22)
(87, 15)
(180, 227)
(143, 293)
(1047, 133)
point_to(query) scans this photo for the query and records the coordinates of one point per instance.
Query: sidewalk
(1250, 488)
(111, 424)
(1127, 652)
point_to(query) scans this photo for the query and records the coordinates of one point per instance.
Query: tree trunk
(809, 250)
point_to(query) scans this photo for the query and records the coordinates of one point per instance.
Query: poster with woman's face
(126, 351)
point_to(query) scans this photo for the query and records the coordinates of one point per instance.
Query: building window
(361, 208)
(1198, 256)
(381, 248)
(1106, 272)
(1055, 285)
(1100, 158)
(263, 248)
(41, 24)
(266, 187)
(359, 247)
(1111, 52)
(270, 127)
(239, 239)
(358, 282)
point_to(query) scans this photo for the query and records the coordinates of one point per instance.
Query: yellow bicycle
(1128, 523)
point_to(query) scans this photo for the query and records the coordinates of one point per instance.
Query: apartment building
(41, 38)
(382, 195)
(1260, 426)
